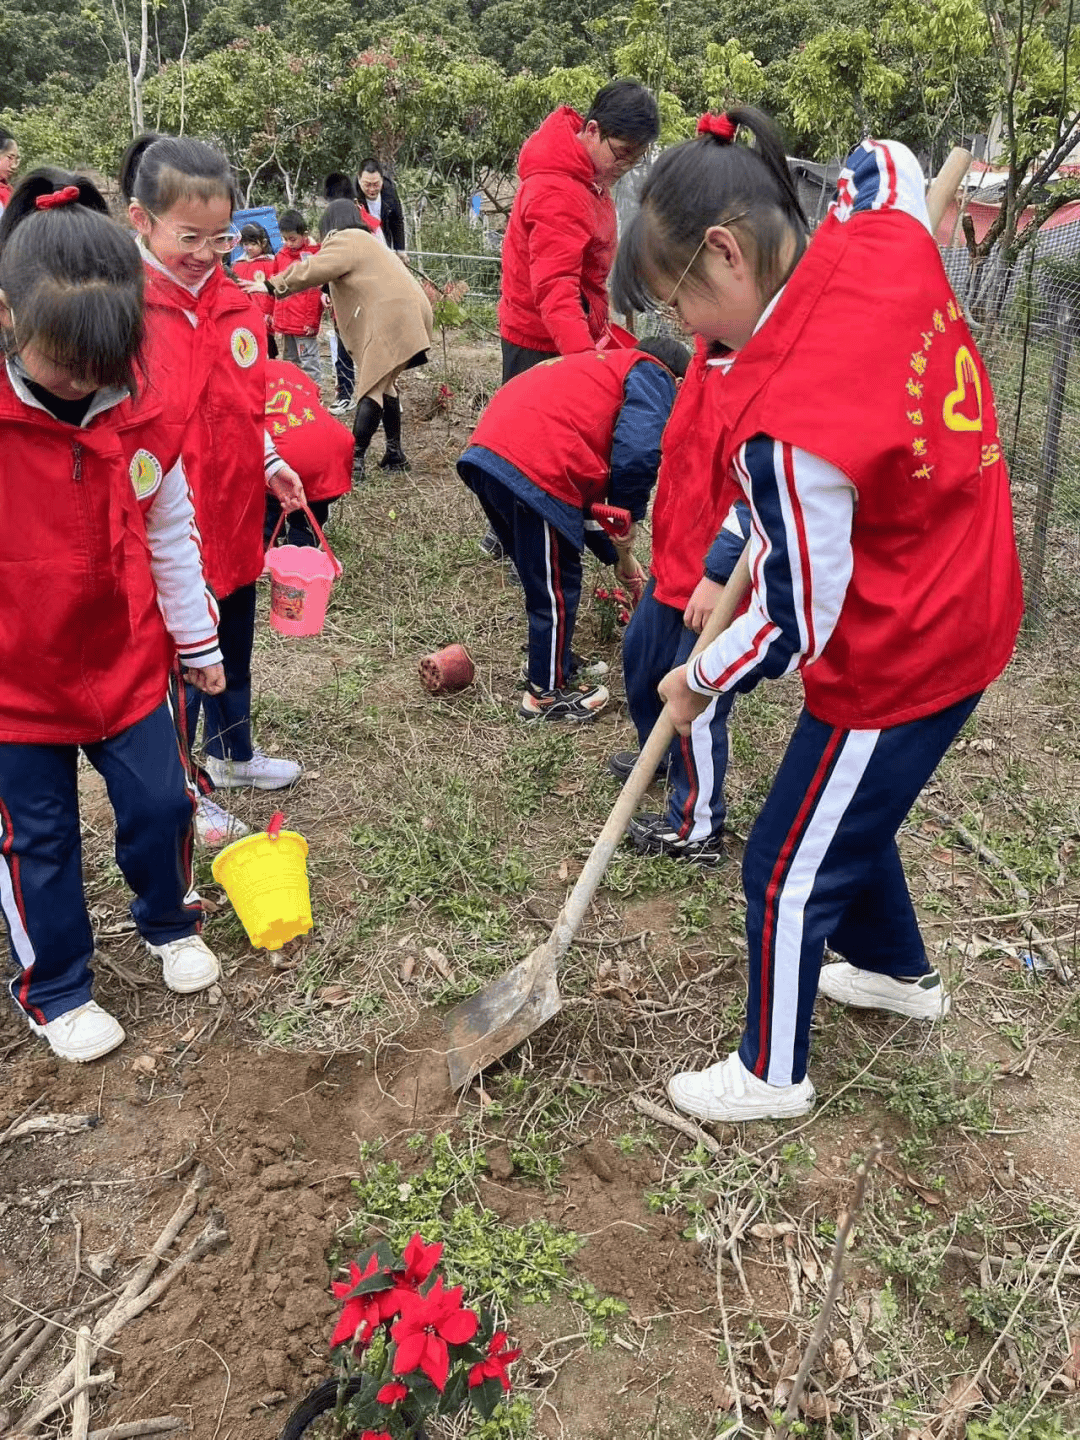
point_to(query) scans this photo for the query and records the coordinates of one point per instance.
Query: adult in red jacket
(208, 351)
(553, 442)
(318, 447)
(560, 241)
(9, 164)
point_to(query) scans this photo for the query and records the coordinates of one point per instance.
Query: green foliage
(839, 88)
(438, 851)
(504, 1264)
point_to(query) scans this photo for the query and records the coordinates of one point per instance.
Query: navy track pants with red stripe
(822, 867)
(550, 571)
(655, 642)
(41, 886)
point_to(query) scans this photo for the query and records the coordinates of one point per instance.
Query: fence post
(1048, 459)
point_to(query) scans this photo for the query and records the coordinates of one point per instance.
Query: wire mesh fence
(1026, 319)
(482, 273)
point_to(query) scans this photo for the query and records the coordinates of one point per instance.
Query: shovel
(506, 1012)
(509, 1009)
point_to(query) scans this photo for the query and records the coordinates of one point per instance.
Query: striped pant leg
(153, 794)
(550, 571)
(696, 806)
(821, 861)
(41, 889)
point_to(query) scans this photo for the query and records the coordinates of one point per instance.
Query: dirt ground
(443, 839)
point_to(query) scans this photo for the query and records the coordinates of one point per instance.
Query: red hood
(555, 147)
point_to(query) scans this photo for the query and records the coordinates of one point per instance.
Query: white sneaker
(187, 965)
(922, 999)
(85, 1033)
(728, 1091)
(259, 773)
(215, 826)
(342, 407)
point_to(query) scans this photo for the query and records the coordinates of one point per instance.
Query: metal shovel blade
(502, 1015)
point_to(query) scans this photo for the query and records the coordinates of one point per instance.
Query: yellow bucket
(265, 877)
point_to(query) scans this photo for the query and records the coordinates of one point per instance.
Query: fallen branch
(137, 1295)
(675, 1122)
(810, 1354)
(179, 1218)
(20, 1118)
(130, 1429)
(1035, 937)
(50, 1124)
(80, 1414)
(93, 1382)
(1002, 1262)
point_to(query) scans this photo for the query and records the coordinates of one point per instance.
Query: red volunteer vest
(297, 314)
(555, 422)
(261, 268)
(687, 512)
(868, 363)
(213, 377)
(318, 447)
(84, 652)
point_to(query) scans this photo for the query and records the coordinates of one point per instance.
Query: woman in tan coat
(383, 317)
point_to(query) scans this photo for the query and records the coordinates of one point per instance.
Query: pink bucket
(300, 581)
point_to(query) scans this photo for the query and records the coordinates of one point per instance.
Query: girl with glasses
(855, 418)
(209, 343)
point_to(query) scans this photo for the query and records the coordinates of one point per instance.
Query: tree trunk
(1048, 461)
(140, 73)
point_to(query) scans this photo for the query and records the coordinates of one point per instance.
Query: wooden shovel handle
(637, 782)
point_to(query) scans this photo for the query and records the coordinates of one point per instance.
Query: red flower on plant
(498, 1361)
(428, 1324)
(420, 1261)
(392, 1393)
(362, 1314)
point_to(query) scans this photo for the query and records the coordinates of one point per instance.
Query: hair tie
(719, 126)
(67, 196)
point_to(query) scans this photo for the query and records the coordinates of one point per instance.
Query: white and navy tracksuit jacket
(821, 864)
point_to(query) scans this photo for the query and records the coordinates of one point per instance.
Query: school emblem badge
(145, 472)
(245, 348)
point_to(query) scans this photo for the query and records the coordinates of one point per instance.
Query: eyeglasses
(630, 156)
(670, 301)
(191, 242)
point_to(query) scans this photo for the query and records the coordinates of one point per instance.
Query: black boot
(365, 423)
(395, 458)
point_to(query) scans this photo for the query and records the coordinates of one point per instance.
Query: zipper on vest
(77, 476)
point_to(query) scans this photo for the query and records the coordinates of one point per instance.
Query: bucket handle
(334, 561)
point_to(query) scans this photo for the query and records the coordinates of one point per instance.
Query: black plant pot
(320, 1402)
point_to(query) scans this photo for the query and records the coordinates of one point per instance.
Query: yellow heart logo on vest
(967, 376)
(279, 403)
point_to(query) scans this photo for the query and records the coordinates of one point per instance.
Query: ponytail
(72, 278)
(701, 183)
(159, 170)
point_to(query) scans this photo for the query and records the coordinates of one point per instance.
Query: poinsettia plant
(408, 1349)
(613, 610)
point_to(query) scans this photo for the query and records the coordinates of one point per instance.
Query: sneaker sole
(688, 857)
(232, 784)
(688, 1106)
(908, 1012)
(530, 717)
(96, 1054)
